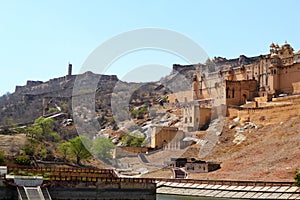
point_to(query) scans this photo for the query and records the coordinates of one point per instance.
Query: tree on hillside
(133, 140)
(42, 129)
(23, 160)
(102, 148)
(46, 124)
(2, 157)
(64, 148)
(29, 150)
(78, 149)
(34, 132)
(65, 107)
(297, 179)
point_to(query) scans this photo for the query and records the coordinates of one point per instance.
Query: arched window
(244, 98)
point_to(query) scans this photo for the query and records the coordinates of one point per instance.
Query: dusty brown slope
(271, 152)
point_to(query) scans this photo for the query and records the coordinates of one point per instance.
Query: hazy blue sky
(39, 38)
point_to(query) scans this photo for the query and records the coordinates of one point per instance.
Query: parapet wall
(178, 67)
(102, 193)
(251, 112)
(34, 83)
(128, 191)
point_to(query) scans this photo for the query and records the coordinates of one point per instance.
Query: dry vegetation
(271, 152)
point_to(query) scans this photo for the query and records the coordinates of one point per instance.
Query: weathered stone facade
(167, 137)
(196, 115)
(259, 78)
(277, 72)
(194, 166)
(200, 166)
(238, 92)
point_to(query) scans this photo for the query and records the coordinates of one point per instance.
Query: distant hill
(38, 98)
(31, 101)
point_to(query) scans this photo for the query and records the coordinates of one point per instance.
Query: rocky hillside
(32, 100)
(257, 145)
(38, 98)
(269, 151)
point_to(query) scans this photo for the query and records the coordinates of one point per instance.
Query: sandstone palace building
(244, 79)
(275, 73)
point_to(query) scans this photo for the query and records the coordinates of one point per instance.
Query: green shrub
(297, 179)
(102, 148)
(46, 176)
(30, 174)
(23, 160)
(64, 106)
(139, 113)
(53, 137)
(20, 130)
(133, 140)
(164, 98)
(43, 152)
(2, 157)
(52, 110)
(23, 173)
(29, 150)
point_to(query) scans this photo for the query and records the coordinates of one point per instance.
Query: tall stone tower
(274, 69)
(69, 72)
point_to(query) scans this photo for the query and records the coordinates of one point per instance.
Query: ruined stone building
(192, 165)
(168, 138)
(196, 114)
(199, 166)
